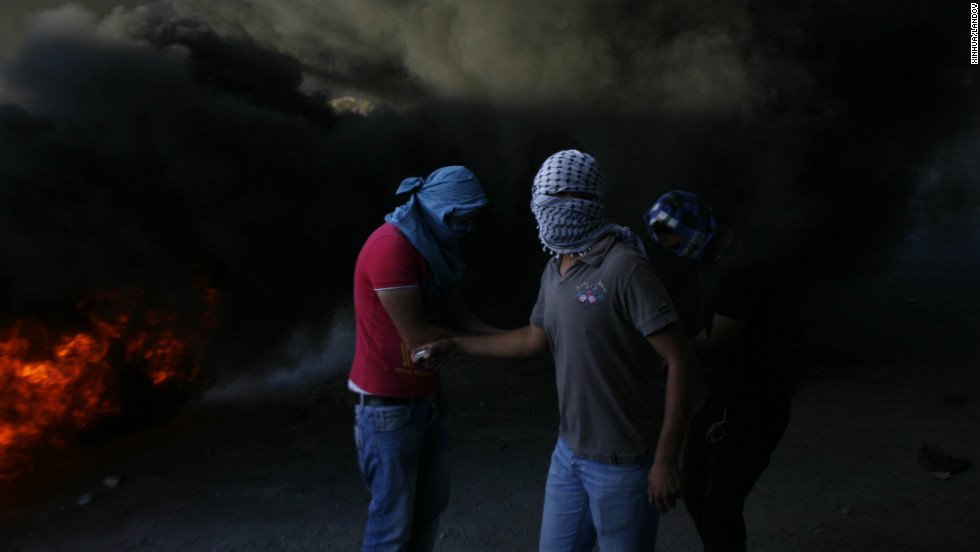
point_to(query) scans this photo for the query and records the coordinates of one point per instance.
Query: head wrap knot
(410, 185)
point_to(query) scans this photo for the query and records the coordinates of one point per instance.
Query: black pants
(726, 450)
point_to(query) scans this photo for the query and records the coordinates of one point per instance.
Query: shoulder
(632, 274)
(619, 254)
(386, 240)
(388, 255)
(627, 262)
(387, 232)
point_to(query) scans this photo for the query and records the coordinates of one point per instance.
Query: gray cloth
(571, 224)
(610, 386)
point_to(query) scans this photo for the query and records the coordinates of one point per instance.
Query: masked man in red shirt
(406, 293)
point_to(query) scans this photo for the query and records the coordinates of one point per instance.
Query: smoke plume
(145, 142)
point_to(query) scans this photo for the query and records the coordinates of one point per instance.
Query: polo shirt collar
(596, 253)
(599, 249)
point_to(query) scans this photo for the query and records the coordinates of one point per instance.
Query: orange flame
(52, 383)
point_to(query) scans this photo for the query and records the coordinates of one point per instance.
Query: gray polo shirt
(610, 386)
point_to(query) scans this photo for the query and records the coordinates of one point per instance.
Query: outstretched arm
(520, 343)
(664, 480)
(404, 306)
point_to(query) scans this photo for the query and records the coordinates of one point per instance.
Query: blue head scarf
(687, 216)
(422, 220)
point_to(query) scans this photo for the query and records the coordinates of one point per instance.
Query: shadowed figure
(740, 348)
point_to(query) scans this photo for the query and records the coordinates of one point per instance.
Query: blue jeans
(585, 500)
(403, 452)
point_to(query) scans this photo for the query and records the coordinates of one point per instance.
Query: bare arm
(523, 342)
(404, 306)
(713, 349)
(664, 480)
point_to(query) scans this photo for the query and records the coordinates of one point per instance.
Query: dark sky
(157, 140)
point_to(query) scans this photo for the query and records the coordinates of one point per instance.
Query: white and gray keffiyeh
(569, 225)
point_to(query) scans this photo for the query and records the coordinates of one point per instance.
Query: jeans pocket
(392, 418)
(628, 477)
(359, 436)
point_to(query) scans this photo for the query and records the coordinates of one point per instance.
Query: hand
(664, 486)
(434, 355)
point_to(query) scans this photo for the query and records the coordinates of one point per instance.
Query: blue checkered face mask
(687, 217)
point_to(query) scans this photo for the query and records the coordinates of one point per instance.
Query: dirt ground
(896, 368)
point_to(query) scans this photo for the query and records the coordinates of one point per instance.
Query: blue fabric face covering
(687, 216)
(449, 191)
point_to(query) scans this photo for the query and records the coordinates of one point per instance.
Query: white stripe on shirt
(396, 287)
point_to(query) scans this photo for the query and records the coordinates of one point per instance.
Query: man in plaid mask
(683, 220)
(739, 345)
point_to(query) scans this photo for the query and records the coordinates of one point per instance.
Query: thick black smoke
(149, 147)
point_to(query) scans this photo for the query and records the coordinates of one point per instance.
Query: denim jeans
(403, 452)
(587, 500)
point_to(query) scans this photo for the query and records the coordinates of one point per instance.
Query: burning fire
(54, 383)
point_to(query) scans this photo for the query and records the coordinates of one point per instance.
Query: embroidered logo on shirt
(591, 293)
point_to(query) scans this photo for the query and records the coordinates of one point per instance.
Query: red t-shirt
(382, 361)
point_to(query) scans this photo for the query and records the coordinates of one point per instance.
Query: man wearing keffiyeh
(739, 344)
(566, 200)
(406, 292)
(600, 308)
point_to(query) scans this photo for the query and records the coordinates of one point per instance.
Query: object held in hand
(419, 355)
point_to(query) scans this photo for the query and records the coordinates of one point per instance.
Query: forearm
(664, 480)
(520, 343)
(421, 334)
(679, 399)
